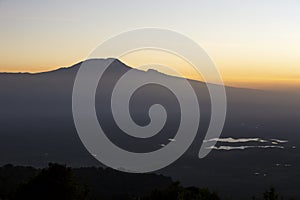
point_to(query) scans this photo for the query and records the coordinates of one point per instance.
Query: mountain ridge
(37, 127)
(77, 65)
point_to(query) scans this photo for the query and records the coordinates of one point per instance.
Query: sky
(254, 43)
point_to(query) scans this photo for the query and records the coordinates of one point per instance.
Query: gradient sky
(254, 43)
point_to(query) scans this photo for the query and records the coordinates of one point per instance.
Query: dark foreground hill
(63, 183)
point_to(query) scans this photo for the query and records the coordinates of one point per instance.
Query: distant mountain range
(37, 124)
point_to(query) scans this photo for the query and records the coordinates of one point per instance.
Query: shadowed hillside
(64, 183)
(37, 127)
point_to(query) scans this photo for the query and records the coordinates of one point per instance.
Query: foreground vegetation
(63, 183)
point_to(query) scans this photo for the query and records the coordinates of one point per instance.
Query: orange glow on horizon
(149, 59)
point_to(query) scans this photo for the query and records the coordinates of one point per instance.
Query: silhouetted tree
(270, 194)
(193, 193)
(56, 182)
(11, 177)
(170, 193)
(177, 192)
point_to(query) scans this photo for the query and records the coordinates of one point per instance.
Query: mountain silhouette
(37, 124)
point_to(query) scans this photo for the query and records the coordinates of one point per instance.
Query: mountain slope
(37, 127)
